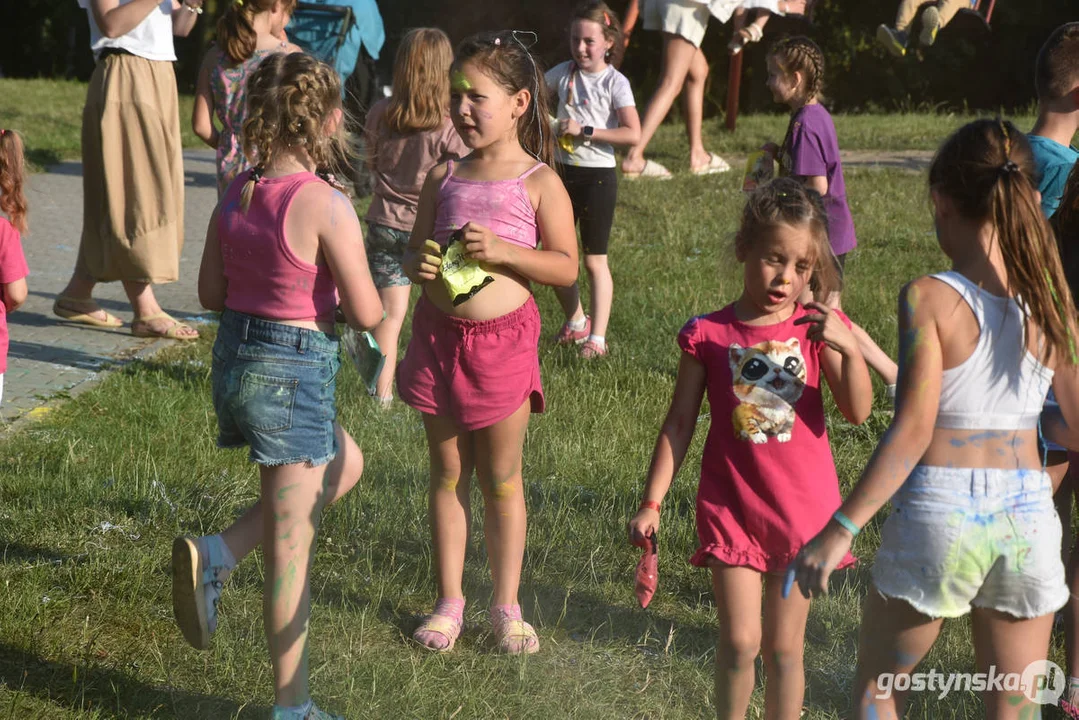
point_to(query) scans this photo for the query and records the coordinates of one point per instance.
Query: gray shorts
(385, 250)
(973, 537)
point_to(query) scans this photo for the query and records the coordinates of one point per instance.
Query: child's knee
(783, 658)
(502, 486)
(595, 263)
(738, 648)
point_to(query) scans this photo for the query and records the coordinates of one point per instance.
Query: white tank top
(1001, 386)
(150, 39)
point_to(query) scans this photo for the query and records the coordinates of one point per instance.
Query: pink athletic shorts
(476, 372)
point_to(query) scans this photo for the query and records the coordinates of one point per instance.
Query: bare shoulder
(543, 181)
(324, 203)
(291, 47)
(924, 297)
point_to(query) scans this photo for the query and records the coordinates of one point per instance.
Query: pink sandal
(513, 636)
(439, 630)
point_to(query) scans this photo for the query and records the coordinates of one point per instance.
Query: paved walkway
(48, 356)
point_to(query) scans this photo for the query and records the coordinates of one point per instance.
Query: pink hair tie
(498, 41)
(607, 19)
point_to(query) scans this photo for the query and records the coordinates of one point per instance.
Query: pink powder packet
(648, 571)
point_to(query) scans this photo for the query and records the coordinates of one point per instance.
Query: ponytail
(236, 34)
(12, 179)
(987, 168)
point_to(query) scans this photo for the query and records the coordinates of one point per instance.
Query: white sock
(218, 553)
(577, 325)
(598, 340)
(295, 712)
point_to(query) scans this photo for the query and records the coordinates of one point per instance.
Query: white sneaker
(196, 590)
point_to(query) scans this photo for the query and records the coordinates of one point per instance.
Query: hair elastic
(1009, 167)
(256, 173)
(607, 19)
(847, 523)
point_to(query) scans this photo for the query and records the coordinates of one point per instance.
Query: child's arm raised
(904, 443)
(213, 287)
(202, 115)
(341, 242)
(842, 362)
(671, 445)
(556, 263)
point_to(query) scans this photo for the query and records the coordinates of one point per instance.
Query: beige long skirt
(133, 177)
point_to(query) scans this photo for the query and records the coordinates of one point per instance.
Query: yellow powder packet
(760, 169)
(463, 277)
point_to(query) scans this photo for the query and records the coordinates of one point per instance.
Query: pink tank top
(265, 278)
(503, 206)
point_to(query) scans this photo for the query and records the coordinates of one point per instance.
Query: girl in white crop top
(973, 528)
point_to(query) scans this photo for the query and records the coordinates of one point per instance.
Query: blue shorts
(273, 387)
(973, 537)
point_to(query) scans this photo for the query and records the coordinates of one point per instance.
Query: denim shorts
(973, 537)
(385, 250)
(273, 388)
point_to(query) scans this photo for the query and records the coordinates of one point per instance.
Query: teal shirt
(1053, 162)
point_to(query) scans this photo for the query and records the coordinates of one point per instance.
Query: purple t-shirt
(811, 148)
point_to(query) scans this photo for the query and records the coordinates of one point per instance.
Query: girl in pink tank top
(472, 365)
(279, 243)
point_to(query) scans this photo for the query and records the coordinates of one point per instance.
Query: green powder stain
(459, 82)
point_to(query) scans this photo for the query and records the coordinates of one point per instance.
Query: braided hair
(289, 98)
(799, 54)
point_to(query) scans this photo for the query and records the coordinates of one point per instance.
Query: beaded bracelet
(649, 504)
(847, 523)
(193, 9)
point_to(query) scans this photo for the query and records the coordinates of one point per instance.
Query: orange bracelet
(650, 504)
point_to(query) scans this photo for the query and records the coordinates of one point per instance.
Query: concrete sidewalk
(48, 356)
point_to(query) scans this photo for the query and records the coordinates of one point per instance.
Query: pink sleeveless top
(503, 206)
(265, 278)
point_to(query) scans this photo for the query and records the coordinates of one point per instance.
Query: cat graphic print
(768, 379)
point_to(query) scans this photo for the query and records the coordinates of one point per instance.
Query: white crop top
(1001, 386)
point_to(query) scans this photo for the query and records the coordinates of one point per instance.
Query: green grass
(48, 113)
(92, 495)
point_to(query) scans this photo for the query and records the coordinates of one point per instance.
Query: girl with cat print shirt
(768, 480)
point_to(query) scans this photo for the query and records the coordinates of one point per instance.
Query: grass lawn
(49, 116)
(92, 495)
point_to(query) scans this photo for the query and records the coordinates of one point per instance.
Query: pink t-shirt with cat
(768, 481)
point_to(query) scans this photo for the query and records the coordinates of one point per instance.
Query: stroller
(347, 34)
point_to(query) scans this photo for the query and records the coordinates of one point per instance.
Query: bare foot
(163, 325)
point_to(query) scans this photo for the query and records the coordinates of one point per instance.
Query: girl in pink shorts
(472, 365)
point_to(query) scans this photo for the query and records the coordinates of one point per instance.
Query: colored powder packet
(648, 571)
(566, 143)
(366, 355)
(463, 277)
(760, 169)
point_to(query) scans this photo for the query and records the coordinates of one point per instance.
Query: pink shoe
(512, 635)
(591, 350)
(569, 336)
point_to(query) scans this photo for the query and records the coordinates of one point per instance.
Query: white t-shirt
(151, 39)
(597, 97)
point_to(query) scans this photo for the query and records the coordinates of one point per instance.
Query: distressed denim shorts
(273, 387)
(973, 537)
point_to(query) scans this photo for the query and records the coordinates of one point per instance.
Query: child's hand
(423, 265)
(814, 564)
(828, 328)
(569, 126)
(643, 525)
(482, 244)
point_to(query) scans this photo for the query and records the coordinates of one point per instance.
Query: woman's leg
(693, 99)
(602, 288)
(784, 649)
(395, 302)
(677, 56)
(293, 496)
(1009, 645)
(894, 638)
(738, 605)
(498, 468)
